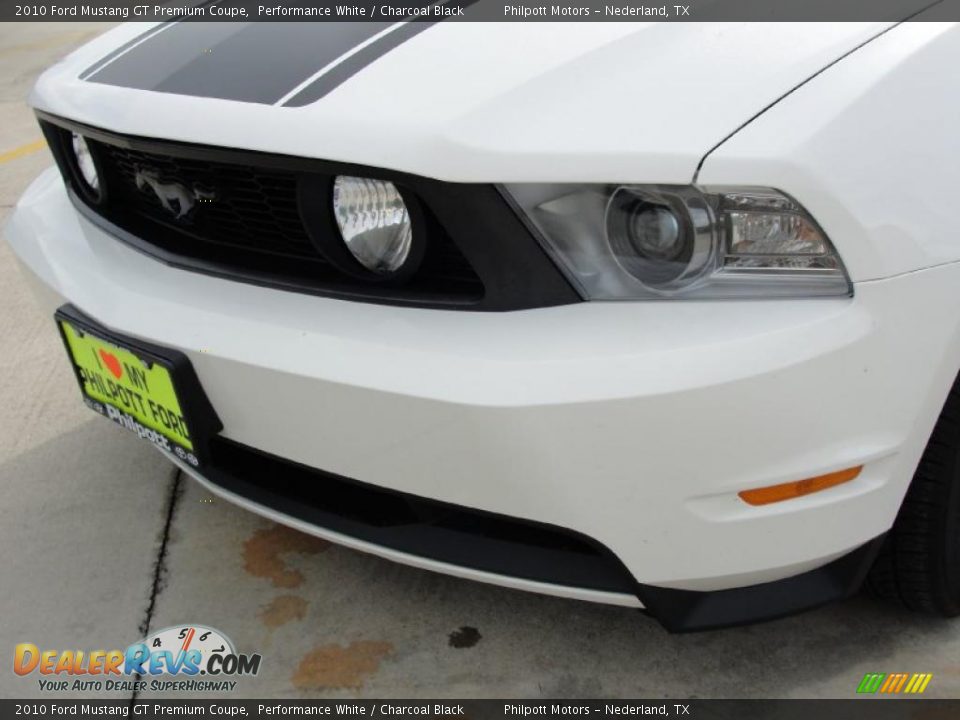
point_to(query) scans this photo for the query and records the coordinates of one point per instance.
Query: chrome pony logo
(176, 198)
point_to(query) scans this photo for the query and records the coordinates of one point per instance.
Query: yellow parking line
(22, 150)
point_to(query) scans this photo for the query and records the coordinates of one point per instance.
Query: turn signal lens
(799, 488)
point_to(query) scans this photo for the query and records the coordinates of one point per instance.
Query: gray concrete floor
(89, 559)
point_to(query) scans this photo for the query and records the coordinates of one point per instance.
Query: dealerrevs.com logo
(181, 658)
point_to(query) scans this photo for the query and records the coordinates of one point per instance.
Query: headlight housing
(620, 242)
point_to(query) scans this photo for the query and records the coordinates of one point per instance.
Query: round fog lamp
(85, 164)
(374, 223)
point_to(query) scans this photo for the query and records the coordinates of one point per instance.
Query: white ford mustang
(661, 315)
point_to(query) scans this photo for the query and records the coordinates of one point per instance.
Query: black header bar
(877, 709)
(481, 10)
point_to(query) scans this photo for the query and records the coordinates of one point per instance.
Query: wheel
(919, 564)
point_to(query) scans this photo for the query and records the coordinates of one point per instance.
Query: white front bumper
(635, 424)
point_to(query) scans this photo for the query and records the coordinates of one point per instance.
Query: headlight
(86, 167)
(374, 223)
(670, 241)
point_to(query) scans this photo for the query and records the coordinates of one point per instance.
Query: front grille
(268, 219)
(255, 209)
(251, 226)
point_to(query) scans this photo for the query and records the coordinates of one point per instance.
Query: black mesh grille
(253, 209)
(267, 219)
(245, 220)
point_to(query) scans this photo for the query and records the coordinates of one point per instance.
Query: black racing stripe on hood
(248, 62)
(158, 28)
(106, 59)
(345, 70)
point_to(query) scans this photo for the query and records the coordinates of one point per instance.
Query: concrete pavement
(102, 543)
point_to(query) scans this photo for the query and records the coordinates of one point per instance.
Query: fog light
(85, 164)
(374, 223)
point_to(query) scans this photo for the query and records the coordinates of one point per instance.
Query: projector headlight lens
(653, 238)
(674, 241)
(374, 223)
(85, 164)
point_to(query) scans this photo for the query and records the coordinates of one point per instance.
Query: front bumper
(498, 548)
(633, 424)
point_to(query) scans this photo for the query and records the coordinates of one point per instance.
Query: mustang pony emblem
(176, 198)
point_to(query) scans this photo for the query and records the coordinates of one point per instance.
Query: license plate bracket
(150, 390)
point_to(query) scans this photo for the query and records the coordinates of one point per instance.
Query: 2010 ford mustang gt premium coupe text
(660, 315)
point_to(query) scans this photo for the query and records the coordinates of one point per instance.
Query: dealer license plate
(138, 386)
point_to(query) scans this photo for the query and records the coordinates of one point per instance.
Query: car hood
(604, 102)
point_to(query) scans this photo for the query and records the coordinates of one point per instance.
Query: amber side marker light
(798, 488)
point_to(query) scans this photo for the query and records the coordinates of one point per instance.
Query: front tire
(919, 564)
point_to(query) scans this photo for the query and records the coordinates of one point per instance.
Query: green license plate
(150, 391)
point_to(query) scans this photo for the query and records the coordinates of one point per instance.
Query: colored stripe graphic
(919, 683)
(894, 683)
(900, 682)
(871, 682)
